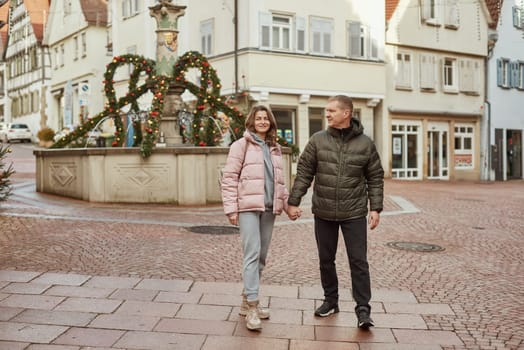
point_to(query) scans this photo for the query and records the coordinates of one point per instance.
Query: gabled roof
(494, 7)
(95, 11)
(391, 5)
(38, 11)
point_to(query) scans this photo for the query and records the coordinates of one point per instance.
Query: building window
(449, 75)
(36, 101)
(518, 20)
(286, 124)
(275, 31)
(75, 39)
(405, 154)
(206, 36)
(316, 120)
(67, 7)
(62, 55)
(357, 40)
(321, 36)
(429, 11)
(452, 15)
(469, 72)
(464, 146)
(129, 8)
(300, 26)
(84, 44)
(503, 73)
(403, 71)
(56, 58)
(427, 72)
(520, 75)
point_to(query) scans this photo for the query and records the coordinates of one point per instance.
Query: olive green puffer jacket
(347, 171)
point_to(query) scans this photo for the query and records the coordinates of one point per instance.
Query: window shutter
(427, 72)
(463, 74)
(265, 30)
(125, 8)
(425, 9)
(516, 17)
(452, 14)
(515, 74)
(373, 43)
(475, 80)
(328, 37)
(500, 78)
(354, 39)
(300, 27)
(521, 75)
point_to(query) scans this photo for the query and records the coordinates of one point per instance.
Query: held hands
(374, 219)
(293, 212)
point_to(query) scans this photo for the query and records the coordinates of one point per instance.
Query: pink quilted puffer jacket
(243, 178)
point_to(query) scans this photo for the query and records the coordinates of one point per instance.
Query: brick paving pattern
(77, 275)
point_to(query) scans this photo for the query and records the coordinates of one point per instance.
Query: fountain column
(166, 15)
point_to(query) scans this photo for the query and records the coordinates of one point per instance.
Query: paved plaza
(79, 275)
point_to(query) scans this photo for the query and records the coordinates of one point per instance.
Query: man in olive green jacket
(347, 174)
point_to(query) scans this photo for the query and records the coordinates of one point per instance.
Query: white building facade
(504, 112)
(435, 52)
(76, 37)
(293, 55)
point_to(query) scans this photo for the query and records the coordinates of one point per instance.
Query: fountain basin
(178, 175)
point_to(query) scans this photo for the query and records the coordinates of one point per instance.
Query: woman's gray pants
(256, 229)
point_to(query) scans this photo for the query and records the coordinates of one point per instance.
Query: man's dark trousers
(355, 238)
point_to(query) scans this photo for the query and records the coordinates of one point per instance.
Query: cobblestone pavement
(479, 274)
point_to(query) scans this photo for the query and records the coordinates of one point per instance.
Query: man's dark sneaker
(327, 308)
(364, 320)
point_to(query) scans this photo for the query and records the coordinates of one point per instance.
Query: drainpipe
(492, 39)
(235, 22)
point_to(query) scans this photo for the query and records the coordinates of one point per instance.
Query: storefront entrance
(514, 154)
(438, 151)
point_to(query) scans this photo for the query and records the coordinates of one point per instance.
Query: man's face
(336, 116)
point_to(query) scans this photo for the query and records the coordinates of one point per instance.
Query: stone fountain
(178, 173)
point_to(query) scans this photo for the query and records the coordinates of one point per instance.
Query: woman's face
(262, 123)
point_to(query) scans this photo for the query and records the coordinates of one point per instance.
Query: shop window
(464, 137)
(404, 151)
(285, 124)
(316, 120)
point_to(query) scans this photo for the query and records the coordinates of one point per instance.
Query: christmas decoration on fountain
(205, 130)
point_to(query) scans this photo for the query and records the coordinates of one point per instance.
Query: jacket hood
(355, 128)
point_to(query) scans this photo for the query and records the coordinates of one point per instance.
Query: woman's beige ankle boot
(253, 322)
(263, 314)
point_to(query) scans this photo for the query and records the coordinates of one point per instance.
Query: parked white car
(16, 131)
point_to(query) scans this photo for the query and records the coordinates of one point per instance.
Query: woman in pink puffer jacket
(253, 193)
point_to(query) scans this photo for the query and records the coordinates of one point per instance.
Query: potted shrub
(46, 137)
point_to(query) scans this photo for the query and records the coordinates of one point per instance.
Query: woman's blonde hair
(271, 135)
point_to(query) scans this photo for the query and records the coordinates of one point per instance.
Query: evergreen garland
(205, 129)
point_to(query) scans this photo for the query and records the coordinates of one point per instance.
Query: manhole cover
(214, 230)
(415, 246)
